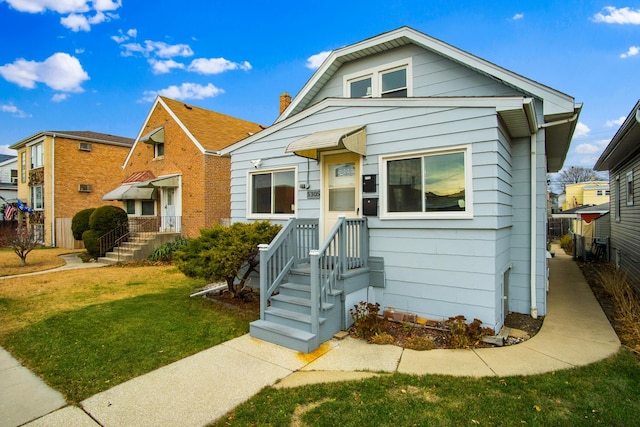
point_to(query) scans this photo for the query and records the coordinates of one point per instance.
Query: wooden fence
(64, 236)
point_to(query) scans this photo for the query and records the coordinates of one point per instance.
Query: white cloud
(164, 50)
(613, 15)
(77, 11)
(59, 97)
(164, 67)
(617, 122)
(582, 130)
(12, 109)
(4, 149)
(61, 72)
(633, 51)
(517, 16)
(216, 65)
(123, 37)
(79, 50)
(587, 148)
(185, 91)
(314, 61)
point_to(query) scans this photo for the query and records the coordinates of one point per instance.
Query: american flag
(9, 212)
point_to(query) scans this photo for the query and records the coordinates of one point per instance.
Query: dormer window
(386, 81)
(156, 138)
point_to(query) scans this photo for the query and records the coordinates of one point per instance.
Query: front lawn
(37, 260)
(84, 331)
(605, 393)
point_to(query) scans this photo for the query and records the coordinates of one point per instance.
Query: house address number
(313, 194)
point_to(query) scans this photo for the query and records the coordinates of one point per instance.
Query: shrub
(566, 243)
(80, 222)
(107, 218)
(463, 335)
(90, 239)
(627, 305)
(382, 339)
(226, 253)
(419, 343)
(366, 321)
(165, 252)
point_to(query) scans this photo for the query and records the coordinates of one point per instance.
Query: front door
(169, 209)
(341, 188)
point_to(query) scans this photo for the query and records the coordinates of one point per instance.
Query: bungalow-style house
(61, 173)
(174, 176)
(409, 173)
(622, 159)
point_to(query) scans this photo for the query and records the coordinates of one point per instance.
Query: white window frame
(468, 181)
(629, 188)
(249, 198)
(35, 206)
(37, 155)
(375, 73)
(155, 150)
(23, 166)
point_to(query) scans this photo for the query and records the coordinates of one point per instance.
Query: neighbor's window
(148, 207)
(23, 166)
(130, 206)
(37, 156)
(618, 198)
(272, 193)
(630, 188)
(37, 198)
(387, 81)
(158, 150)
(428, 185)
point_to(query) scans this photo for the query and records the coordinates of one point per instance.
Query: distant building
(8, 178)
(585, 193)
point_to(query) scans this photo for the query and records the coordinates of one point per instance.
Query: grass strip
(603, 393)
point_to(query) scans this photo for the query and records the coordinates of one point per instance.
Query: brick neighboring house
(63, 172)
(174, 174)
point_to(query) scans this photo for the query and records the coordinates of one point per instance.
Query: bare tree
(574, 175)
(22, 240)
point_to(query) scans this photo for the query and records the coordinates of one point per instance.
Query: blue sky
(97, 65)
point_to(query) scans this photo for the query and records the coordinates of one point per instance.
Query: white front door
(341, 188)
(168, 209)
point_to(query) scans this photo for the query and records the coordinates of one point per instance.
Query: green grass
(605, 393)
(86, 350)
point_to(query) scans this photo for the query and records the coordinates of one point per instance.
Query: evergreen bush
(107, 218)
(80, 222)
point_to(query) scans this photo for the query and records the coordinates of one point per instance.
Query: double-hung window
(37, 198)
(386, 81)
(272, 193)
(37, 156)
(432, 184)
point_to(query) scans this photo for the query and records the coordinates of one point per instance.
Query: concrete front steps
(138, 247)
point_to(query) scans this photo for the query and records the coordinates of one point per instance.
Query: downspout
(53, 190)
(534, 208)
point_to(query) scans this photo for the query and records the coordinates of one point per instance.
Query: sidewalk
(72, 262)
(201, 388)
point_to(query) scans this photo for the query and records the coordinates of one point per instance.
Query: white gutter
(638, 115)
(534, 208)
(53, 190)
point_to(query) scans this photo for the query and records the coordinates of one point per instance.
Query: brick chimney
(285, 100)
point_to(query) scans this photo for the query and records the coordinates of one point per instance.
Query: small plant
(566, 243)
(382, 339)
(419, 343)
(366, 321)
(463, 335)
(165, 252)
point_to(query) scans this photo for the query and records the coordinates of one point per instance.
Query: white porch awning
(352, 138)
(130, 192)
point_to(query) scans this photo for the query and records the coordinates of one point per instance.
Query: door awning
(352, 138)
(156, 136)
(130, 192)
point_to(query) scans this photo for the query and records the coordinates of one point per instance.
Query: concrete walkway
(201, 388)
(72, 262)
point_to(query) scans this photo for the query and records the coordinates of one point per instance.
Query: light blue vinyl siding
(433, 75)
